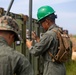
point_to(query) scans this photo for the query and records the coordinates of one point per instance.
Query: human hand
(28, 43)
(34, 36)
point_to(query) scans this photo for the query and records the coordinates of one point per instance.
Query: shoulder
(51, 32)
(13, 54)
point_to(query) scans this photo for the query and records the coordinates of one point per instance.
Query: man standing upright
(46, 18)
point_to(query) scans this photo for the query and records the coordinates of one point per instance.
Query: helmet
(44, 11)
(7, 23)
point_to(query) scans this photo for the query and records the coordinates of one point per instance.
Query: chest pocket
(5, 67)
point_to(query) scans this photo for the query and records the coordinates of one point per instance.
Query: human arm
(41, 46)
(34, 37)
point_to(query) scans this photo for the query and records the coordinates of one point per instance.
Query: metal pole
(30, 17)
(10, 5)
(30, 23)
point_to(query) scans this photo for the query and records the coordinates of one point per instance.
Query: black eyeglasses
(41, 21)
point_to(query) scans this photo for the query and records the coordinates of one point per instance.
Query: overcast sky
(65, 10)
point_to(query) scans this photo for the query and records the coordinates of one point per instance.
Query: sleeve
(41, 46)
(24, 67)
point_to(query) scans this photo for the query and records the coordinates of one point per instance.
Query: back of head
(7, 23)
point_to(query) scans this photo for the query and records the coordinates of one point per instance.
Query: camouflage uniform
(48, 42)
(11, 61)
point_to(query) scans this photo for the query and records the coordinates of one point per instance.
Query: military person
(11, 61)
(46, 18)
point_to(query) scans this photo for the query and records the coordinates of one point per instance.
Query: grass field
(71, 68)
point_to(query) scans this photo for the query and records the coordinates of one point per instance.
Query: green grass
(74, 36)
(71, 68)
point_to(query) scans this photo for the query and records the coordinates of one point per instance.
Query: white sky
(65, 10)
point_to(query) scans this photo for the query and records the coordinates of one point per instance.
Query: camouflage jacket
(12, 62)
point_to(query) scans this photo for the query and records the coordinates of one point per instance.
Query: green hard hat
(44, 11)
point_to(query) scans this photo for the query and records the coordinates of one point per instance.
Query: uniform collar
(2, 40)
(52, 26)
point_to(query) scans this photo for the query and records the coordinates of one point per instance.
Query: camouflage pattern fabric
(9, 24)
